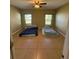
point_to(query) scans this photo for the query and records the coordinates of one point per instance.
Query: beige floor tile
(49, 54)
(31, 54)
(26, 43)
(50, 43)
(21, 53)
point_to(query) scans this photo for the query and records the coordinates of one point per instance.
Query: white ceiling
(28, 4)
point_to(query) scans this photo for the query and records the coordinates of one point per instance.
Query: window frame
(51, 19)
(25, 19)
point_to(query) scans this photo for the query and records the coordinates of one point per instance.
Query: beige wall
(62, 17)
(38, 16)
(15, 19)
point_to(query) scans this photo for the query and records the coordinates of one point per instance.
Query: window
(48, 19)
(28, 19)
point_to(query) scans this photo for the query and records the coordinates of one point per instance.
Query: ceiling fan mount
(38, 4)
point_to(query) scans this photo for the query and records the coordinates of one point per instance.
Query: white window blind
(28, 19)
(48, 19)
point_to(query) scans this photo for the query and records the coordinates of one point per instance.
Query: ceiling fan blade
(43, 3)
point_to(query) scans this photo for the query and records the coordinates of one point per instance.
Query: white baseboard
(16, 31)
(60, 32)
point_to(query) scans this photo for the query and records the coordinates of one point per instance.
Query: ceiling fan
(38, 4)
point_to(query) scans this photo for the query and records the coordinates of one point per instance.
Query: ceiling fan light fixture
(37, 6)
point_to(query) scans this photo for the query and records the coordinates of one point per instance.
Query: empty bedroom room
(39, 29)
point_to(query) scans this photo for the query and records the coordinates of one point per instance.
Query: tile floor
(38, 47)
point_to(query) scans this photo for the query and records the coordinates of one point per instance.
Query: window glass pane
(28, 19)
(48, 19)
